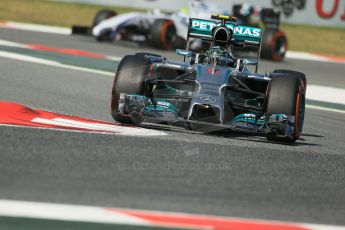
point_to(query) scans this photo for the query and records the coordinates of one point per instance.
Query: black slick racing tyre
(179, 43)
(274, 45)
(105, 35)
(102, 15)
(295, 73)
(163, 34)
(130, 78)
(285, 96)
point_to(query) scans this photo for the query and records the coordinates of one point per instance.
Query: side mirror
(185, 53)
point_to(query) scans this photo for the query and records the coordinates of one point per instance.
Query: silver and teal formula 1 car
(211, 91)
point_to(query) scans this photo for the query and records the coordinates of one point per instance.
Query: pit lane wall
(312, 12)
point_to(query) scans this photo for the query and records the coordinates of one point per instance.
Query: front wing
(141, 108)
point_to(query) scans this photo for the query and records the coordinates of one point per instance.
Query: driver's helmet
(218, 55)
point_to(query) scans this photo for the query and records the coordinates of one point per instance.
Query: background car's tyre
(274, 45)
(179, 43)
(163, 34)
(130, 78)
(102, 15)
(285, 96)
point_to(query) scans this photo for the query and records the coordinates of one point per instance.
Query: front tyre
(130, 78)
(285, 95)
(294, 73)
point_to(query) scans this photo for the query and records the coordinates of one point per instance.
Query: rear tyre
(274, 45)
(285, 96)
(130, 78)
(163, 34)
(179, 43)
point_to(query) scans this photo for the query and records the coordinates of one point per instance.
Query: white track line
(324, 108)
(36, 28)
(26, 58)
(322, 227)
(21, 45)
(120, 130)
(65, 212)
(326, 94)
(304, 56)
(312, 57)
(83, 213)
(12, 44)
(59, 129)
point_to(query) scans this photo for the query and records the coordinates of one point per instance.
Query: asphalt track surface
(221, 174)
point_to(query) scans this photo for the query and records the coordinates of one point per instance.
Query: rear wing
(200, 28)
